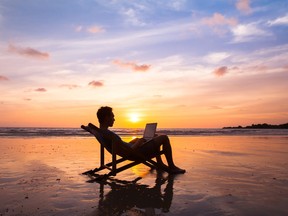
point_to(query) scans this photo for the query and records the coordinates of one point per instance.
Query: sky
(181, 63)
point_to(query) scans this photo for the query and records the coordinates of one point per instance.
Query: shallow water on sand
(226, 175)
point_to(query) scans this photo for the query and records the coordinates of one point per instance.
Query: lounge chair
(125, 153)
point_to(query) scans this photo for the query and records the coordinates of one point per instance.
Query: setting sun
(134, 117)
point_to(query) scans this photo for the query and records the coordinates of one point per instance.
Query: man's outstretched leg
(165, 142)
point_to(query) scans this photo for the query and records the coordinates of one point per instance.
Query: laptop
(149, 131)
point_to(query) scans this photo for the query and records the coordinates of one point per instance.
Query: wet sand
(228, 175)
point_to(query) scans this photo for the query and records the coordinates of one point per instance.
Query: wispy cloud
(248, 32)
(95, 83)
(3, 78)
(268, 60)
(132, 17)
(28, 52)
(94, 29)
(132, 65)
(168, 32)
(177, 4)
(244, 6)
(131, 12)
(221, 71)
(78, 28)
(279, 21)
(219, 19)
(218, 22)
(215, 58)
(70, 86)
(40, 90)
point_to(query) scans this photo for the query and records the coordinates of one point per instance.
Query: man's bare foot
(176, 170)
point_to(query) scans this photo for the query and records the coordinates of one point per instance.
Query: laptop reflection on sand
(149, 131)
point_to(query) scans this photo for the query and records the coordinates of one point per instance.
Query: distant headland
(260, 126)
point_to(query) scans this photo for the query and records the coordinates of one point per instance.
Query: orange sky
(181, 64)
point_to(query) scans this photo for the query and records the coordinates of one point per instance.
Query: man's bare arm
(139, 142)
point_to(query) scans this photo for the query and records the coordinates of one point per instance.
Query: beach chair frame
(124, 152)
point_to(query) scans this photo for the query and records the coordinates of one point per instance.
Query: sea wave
(78, 132)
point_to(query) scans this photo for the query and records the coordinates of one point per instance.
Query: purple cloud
(40, 90)
(28, 52)
(3, 78)
(96, 83)
(221, 71)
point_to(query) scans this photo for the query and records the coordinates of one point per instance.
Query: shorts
(149, 149)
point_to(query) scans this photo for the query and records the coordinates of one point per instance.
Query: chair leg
(114, 163)
(102, 159)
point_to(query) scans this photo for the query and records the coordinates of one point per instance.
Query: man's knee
(164, 138)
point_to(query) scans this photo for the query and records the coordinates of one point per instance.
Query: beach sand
(226, 175)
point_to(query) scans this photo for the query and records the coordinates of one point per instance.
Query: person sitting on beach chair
(152, 147)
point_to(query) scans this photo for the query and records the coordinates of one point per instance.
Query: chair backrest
(122, 150)
(91, 128)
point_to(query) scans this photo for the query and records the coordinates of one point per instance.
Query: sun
(134, 117)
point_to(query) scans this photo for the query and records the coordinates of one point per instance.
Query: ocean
(78, 132)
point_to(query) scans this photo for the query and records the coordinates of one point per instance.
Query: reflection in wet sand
(130, 196)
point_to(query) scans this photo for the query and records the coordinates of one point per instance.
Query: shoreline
(77, 132)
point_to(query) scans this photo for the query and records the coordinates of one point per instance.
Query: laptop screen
(150, 130)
